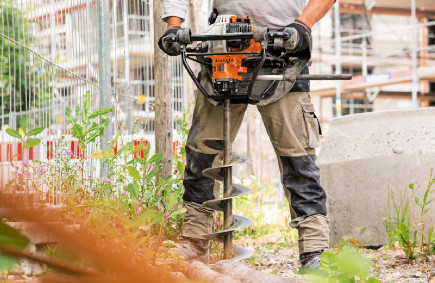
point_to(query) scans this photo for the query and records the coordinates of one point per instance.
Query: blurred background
(50, 52)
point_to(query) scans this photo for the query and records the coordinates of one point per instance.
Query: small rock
(420, 260)
(213, 256)
(267, 261)
(398, 150)
(431, 258)
(264, 262)
(418, 274)
(179, 275)
(263, 250)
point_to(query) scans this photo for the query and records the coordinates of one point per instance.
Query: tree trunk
(163, 95)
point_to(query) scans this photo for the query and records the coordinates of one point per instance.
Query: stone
(365, 155)
(27, 267)
(264, 262)
(420, 260)
(179, 275)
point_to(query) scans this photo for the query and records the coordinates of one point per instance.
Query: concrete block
(366, 154)
(27, 267)
(37, 234)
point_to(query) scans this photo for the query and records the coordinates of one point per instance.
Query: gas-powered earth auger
(236, 55)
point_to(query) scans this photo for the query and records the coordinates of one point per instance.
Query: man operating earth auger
(284, 103)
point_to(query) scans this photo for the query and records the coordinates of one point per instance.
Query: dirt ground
(388, 265)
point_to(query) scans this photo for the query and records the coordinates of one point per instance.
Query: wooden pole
(163, 95)
(195, 22)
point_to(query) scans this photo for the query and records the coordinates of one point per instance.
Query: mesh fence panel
(49, 60)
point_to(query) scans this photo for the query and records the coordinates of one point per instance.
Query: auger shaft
(228, 180)
(223, 173)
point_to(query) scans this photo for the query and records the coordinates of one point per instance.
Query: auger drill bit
(224, 173)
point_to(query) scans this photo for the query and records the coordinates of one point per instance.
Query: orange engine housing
(230, 66)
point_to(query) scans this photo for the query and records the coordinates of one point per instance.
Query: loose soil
(389, 265)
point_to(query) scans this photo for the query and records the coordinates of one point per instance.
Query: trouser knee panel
(301, 177)
(198, 188)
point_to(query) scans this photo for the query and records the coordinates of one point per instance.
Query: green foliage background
(23, 84)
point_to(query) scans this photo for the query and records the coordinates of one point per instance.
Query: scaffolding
(389, 50)
(374, 43)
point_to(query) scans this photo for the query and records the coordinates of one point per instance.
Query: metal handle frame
(187, 38)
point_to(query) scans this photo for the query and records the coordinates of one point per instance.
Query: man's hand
(302, 40)
(170, 48)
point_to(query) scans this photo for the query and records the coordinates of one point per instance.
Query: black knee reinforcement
(198, 188)
(301, 177)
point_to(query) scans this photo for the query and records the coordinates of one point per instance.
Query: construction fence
(51, 56)
(53, 52)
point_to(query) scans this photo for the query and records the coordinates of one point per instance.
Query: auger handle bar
(260, 34)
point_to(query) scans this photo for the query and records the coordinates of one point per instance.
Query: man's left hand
(303, 38)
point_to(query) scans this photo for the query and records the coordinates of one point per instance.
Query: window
(353, 106)
(352, 24)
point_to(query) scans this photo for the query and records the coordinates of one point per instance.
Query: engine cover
(227, 68)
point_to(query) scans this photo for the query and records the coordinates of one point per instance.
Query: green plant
(132, 175)
(26, 135)
(398, 226)
(25, 177)
(87, 126)
(423, 204)
(60, 172)
(51, 250)
(10, 238)
(343, 264)
(397, 212)
(430, 241)
(402, 235)
(397, 223)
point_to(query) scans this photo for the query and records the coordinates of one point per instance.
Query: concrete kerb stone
(37, 236)
(362, 157)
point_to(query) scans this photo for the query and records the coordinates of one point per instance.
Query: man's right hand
(170, 48)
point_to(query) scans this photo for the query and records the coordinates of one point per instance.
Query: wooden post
(163, 95)
(195, 22)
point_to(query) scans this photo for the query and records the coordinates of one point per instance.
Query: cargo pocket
(312, 124)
